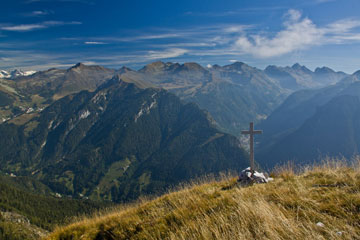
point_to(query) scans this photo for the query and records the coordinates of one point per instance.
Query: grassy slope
(287, 208)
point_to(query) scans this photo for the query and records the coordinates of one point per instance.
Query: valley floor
(322, 202)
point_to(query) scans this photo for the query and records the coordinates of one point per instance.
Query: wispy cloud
(24, 27)
(167, 53)
(95, 43)
(220, 43)
(38, 13)
(235, 12)
(230, 41)
(187, 37)
(37, 26)
(143, 37)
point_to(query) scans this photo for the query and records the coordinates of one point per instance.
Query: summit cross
(252, 132)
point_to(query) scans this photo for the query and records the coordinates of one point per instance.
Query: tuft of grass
(287, 208)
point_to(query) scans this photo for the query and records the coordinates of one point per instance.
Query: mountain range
(90, 132)
(313, 123)
(15, 73)
(234, 94)
(72, 128)
(117, 143)
(300, 77)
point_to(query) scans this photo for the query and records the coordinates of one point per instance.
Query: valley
(186, 120)
(89, 133)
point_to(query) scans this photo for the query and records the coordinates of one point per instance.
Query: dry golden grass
(287, 208)
(23, 118)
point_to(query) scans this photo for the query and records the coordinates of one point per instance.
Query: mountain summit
(15, 73)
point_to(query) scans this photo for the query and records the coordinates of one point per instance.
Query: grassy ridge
(287, 208)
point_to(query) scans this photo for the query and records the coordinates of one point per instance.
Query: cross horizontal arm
(257, 132)
(245, 132)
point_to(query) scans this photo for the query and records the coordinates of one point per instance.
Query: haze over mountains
(90, 132)
(313, 123)
(300, 77)
(234, 94)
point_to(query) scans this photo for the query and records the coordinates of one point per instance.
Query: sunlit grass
(287, 208)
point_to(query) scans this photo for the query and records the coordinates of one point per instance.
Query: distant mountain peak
(236, 66)
(78, 65)
(192, 66)
(296, 66)
(124, 70)
(157, 64)
(357, 74)
(324, 70)
(271, 68)
(299, 67)
(154, 67)
(4, 74)
(15, 73)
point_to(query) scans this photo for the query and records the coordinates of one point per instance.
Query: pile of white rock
(246, 177)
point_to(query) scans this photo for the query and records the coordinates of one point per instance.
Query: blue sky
(41, 34)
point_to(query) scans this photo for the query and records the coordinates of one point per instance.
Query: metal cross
(252, 132)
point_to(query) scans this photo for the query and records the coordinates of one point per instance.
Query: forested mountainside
(117, 143)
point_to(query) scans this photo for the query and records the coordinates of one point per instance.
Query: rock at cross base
(246, 177)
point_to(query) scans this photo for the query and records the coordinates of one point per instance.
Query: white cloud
(38, 13)
(207, 44)
(293, 16)
(140, 37)
(37, 26)
(24, 27)
(95, 43)
(236, 28)
(167, 53)
(89, 63)
(299, 33)
(342, 26)
(158, 36)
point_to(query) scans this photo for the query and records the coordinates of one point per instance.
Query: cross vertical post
(252, 132)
